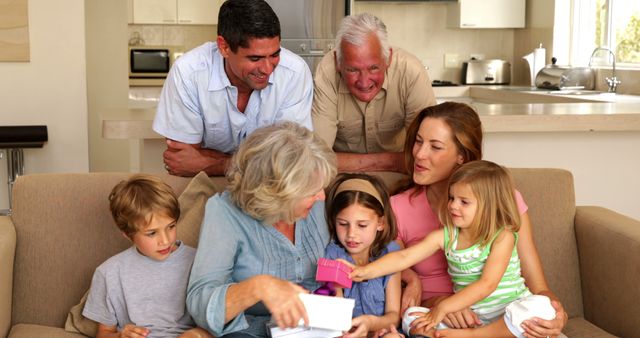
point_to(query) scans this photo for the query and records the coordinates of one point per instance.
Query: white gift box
(328, 317)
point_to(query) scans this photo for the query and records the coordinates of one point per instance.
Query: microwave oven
(149, 65)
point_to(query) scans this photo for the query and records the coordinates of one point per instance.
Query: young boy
(141, 291)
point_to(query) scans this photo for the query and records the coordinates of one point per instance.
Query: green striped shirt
(466, 265)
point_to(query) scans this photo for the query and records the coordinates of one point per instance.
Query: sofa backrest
(550, 195)
(64, 231)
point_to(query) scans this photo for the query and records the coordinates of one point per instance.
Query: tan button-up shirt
(353, 126)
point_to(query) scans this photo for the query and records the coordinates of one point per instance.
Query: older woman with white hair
(260, 240)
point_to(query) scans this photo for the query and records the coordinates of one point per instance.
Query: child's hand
(428, 320)
(132, 331)
(358, 273)
(359, 327)
(390, 332)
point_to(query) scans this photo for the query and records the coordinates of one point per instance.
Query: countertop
(501, 109)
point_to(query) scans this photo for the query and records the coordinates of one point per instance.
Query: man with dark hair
(220, 92)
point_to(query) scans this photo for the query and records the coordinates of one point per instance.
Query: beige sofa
(61, 230)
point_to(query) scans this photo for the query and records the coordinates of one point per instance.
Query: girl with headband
(363, 229)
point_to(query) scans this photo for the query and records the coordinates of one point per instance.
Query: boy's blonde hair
(134, 201)
(494, 191)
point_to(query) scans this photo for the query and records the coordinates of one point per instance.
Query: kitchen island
(597, 141)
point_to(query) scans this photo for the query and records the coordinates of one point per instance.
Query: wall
(604, 164)
(107, 79)
(49, 90)
(420, 28)
(539, 29)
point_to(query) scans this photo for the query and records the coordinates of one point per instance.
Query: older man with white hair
(366, 94)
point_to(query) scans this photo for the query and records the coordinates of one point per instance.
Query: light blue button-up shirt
(234, 247)
(198, 104)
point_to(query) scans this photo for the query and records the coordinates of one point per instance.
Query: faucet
(612, 82)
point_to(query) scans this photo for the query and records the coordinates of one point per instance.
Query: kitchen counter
(524, 127)
(501, 109)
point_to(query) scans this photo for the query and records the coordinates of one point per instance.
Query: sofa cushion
(32, 330)
(550, 196)
(78, 323)
(580, 327)
(192, 202)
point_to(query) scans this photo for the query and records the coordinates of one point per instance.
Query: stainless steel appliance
(309, 27)
(565, 77)
(149, 65)
(491, 71)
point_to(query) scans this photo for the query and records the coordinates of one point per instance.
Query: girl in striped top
(479, 237)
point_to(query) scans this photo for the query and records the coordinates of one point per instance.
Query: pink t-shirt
(415, 221)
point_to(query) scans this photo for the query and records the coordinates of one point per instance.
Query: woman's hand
(132, 331)
(540, 328)
(281, 299)
(412, 292)
(359, 327)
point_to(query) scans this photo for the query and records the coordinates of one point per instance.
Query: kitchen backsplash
(421, 29)
(187, 36)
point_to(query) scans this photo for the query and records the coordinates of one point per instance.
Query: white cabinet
(192, 12)
(486, 14)
(198, 12)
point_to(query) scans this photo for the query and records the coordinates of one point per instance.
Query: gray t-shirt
(130, 288)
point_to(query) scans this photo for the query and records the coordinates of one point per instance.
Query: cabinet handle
(468, 25)
(185, 20)
(168, 20)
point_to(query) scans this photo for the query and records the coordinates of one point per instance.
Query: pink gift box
(333, 271)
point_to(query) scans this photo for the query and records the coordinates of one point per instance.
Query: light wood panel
(14, 30)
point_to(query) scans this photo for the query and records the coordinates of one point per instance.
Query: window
(608, 23)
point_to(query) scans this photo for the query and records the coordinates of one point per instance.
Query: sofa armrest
(609, 253)
(7, 254)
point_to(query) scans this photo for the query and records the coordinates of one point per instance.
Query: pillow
(78, 323)
(192, 202)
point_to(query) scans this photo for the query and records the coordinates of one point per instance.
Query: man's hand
(182, 159)
(412, 292)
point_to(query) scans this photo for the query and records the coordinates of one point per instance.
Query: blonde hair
(275, 167)
(494, 191)
(133, 202)
(338, 200)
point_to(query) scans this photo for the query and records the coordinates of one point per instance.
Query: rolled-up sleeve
(211, 273)
(324, 111)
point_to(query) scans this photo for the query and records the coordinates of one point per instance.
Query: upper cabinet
(189, 12)
(486, 14)
(198, 12)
